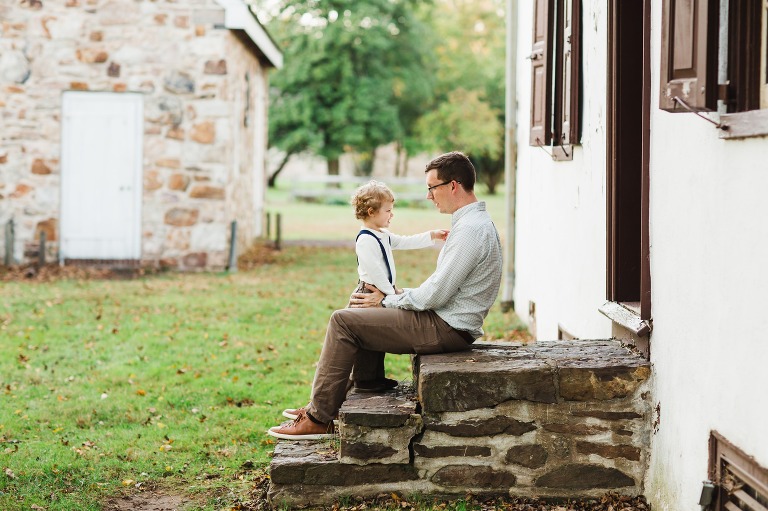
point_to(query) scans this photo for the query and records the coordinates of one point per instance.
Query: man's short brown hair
(454, 166)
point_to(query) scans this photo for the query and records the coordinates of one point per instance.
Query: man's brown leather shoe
(302, 428)
(293, 413)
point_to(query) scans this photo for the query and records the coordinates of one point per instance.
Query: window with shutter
(688, 37)
(744, 22)
(702, 37)
(568, 71)
(555, 79)
(541, 74)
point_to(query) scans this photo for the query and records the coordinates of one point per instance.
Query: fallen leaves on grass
(258, 254)
(54, 272)
(84, 448)
(256, 500)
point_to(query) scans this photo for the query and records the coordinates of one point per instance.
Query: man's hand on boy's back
(363, 300)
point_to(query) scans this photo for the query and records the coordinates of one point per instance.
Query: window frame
(555, 77)
(623, 292)
(688, 63)
(691, 56)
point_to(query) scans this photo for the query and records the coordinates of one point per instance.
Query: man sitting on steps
(444, 314)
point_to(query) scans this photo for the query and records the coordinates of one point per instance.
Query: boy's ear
(371, 211)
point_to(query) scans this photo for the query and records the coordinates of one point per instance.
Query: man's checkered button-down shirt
(466, 281)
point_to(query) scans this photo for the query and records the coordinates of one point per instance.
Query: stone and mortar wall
(247, 186)
(191, 73)
(550, 419)
(553, 419)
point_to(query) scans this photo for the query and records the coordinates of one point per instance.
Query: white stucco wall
(709, 271)
(709, 265)
(560, 209)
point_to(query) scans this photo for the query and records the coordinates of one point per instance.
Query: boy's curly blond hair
(370, 196)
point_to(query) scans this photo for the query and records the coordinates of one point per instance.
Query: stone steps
(551, 419)
(379, 428)
(370, 455)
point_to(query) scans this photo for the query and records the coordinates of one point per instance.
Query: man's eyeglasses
(430, 188)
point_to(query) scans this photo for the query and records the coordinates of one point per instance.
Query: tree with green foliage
(350, 79)
(468, 111)
(467, 122)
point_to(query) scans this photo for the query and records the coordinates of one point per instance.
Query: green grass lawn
(166, 381)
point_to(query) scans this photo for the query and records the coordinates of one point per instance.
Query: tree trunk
(333, 170)
(372, 162)
(398, 159)
(333, 166)
(272, 178)
(491, 182)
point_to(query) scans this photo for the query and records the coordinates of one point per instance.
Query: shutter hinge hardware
(685, 105)
(552, 155)
(540, 145)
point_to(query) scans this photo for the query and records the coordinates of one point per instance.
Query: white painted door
(101, 175)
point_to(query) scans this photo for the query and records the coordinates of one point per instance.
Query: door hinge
(723, 91)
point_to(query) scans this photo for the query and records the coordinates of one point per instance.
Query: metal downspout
(510, 157)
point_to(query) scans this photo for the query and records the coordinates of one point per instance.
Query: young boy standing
(374, 203)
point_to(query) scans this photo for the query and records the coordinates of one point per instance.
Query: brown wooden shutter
(541, 75)
(689, 54)
(744, 48)
(571, 63)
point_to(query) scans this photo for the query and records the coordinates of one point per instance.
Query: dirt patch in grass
(53, 272)
(256, 500)
(147, 501)
(258, 254)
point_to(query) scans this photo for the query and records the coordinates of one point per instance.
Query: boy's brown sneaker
(303, 428)
(378, 385)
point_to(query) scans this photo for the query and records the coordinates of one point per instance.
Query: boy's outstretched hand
(440, 234)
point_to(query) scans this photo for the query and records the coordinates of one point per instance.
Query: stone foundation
(550, 419)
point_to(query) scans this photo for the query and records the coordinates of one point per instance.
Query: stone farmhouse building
(639, 213)
(133, 132)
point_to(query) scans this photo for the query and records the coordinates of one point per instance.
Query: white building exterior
(707, 240)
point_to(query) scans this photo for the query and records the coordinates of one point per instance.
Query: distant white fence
(341, 188)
